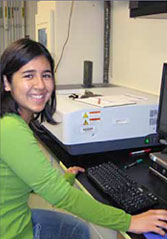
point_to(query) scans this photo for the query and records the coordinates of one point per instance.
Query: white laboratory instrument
(121, 118)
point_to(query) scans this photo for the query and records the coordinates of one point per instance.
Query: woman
(27, 93)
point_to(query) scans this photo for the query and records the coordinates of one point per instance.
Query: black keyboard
(127, 194)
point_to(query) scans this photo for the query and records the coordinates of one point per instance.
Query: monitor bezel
(161, 133)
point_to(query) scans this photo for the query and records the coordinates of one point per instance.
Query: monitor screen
(162, 110)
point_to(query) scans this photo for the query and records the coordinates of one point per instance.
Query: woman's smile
(39, 98)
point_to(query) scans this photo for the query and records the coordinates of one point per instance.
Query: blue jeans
(56, 225)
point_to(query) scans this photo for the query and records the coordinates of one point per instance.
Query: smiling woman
(28, 83)
(31, 87)
(28, 91)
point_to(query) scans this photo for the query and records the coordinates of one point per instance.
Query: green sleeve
(83, 205)
(69, 177)
(21, 152)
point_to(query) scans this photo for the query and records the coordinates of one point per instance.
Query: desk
(140, 172)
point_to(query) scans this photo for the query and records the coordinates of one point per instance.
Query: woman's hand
(75, 170)
(150, 221)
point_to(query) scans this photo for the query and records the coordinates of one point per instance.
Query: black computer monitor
(162, 110)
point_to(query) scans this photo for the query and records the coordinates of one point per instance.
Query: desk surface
(139, 173)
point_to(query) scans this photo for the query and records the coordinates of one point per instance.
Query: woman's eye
(29, 76)
(47, 76)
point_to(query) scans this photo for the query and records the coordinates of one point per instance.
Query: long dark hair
(14, 57)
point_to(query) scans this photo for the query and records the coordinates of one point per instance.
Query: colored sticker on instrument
(95, 115)
(85, 115)
(85, 122)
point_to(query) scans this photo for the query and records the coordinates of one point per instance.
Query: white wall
(138, 46)
(85, 42)
(138, 49)
(86, 38)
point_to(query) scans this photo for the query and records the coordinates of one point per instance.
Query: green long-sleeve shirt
(23, 168)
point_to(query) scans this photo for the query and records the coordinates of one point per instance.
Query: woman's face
(32, 86)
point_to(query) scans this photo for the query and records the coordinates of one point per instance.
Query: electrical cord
(68, 35)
